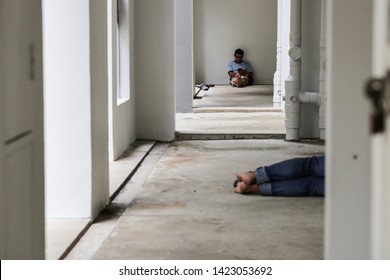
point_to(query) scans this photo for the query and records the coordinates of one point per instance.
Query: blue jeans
(293, 177)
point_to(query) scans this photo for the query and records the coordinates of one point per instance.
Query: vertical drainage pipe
(277, 98)
(293, 82)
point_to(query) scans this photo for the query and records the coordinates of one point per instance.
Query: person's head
(238, 55)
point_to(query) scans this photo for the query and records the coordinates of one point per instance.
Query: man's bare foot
(243, 188)
(248, 178)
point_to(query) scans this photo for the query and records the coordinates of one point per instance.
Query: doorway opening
(221, 110)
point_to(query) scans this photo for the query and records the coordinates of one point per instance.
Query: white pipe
(294, 96)
(310, 98)
(277, 98)
(293, 82)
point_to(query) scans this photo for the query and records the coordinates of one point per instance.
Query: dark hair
(239, 52)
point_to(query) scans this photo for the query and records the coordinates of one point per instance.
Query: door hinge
(32, 61)
(118, 3)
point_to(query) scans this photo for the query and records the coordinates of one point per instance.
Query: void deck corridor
(179, 203)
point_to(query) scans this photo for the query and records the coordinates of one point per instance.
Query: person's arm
(230, 69)
(249, 71)
(246, 73)
(231, 74)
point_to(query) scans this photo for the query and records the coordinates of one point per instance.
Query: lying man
(293, 177)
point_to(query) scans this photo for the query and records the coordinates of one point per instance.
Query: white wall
(311, 31)
(311, 35)
(347, 204)
(285, 41)
(154, 77)
(76, 133)
(221, 26)
(184, 58)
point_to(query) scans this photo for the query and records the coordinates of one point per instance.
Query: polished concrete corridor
(180, 205)
(179, 202)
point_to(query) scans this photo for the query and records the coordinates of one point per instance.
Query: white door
(379, 89)
(21, 130)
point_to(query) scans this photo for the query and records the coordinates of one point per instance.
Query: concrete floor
(179, 204)
(182, 206)
(225, 112)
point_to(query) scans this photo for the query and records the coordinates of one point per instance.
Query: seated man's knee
(244, 81)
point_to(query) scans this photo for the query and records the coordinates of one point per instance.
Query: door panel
(21, 131)
(18, 199)
(19, 59)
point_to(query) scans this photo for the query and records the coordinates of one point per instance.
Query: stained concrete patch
(186, 208)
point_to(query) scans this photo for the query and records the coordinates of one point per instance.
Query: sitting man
(240, 71)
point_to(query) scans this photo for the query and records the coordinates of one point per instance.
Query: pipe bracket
(295, 53)
(293, 99)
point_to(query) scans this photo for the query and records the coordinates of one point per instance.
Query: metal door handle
(375, 92)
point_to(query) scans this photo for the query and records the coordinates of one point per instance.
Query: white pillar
(67, 108)
(347, 201)
(322, 92)
(155, 69)
(76, 107)
(99, 105)
(277, 98)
